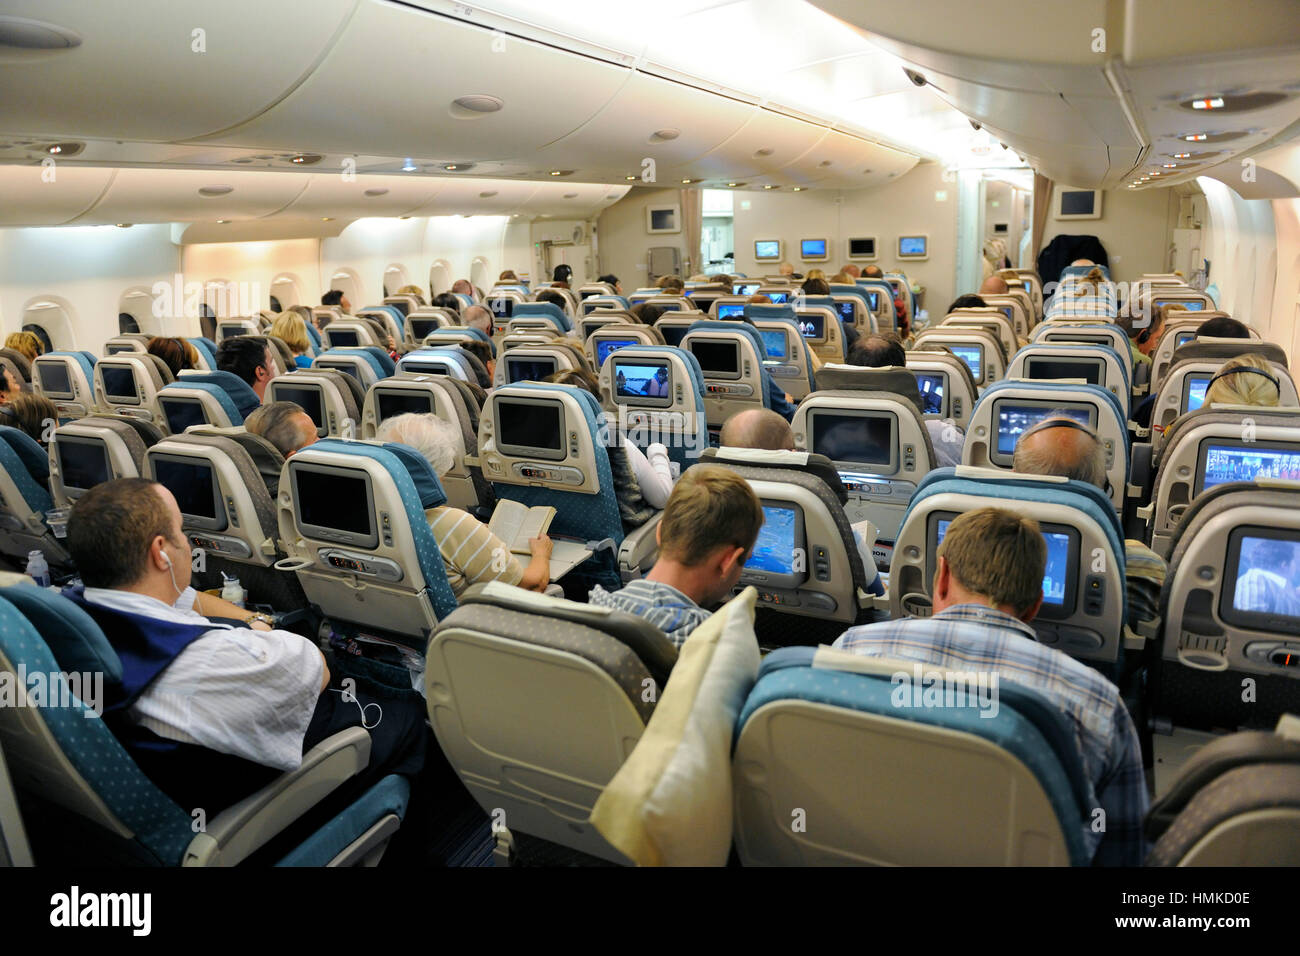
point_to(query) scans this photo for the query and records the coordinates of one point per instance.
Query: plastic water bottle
(37, 569)
(231, 590)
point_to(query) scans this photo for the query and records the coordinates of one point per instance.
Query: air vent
(1196, 157)
(377, 191)
(664, 136)
(305, 159)
(457, 167)
(1214, 137)
(824, 163)
(1240, 103)
(210, 191)
(570, 195)
(561, 172)
(64, 150)
(487, 194)
(765, 151)
(475, 106)
(20, 33)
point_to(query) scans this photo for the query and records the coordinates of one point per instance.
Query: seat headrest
(894, 380)
(73, 637)
(427, 485)
(724, 325)
(525, 310)
(758, 311)
(29, 452)
(806, 461)
(241, 393)
(1229, 348)
(19, 361)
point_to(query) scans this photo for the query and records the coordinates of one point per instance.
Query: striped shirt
(1264, 592)
(1144, 578)
(970, 636)
(661, 604)
(470, 552)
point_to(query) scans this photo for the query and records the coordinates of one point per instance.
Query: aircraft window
(126, 323)
(39, 331)
(275, 305)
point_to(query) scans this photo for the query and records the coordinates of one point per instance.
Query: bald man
(477, 317)
(1062, 447)
(757, 428)
(994, 285)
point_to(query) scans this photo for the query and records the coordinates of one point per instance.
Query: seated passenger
(507, 275)
(284, 424)
(671, 285)
(483, 352)
(290, 329)
(560, 276)
(787, 270)
(760, 298)
(210, 708)
(757, 428)
(477, 317)
(1062, 447)
(815, 285)
(647, 313)
(1245, 380)
(987, 589)
(26, 343)
(249, 357)
(176, 353)
(1222, 327)
(877, 351)
(470, 552)
(706, 535)
(336, 297)
(462, 287)
(31, 413)
(967, 301)
(414, 290)
(11, 383)
(613, 283)
(553, 297)
(994, 285)
(852, 271)
(642, 480)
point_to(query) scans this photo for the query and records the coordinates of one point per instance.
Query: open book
(514, 523)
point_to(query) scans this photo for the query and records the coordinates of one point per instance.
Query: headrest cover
(240, 392)
(894, 380)
(426, 481)
(810, 462)
(28, 450)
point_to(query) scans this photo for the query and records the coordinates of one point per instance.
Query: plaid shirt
(661, 604)
(973, 637)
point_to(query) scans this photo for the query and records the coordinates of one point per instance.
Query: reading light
(409, 167)
(1195, 137)
(1210, 103)
(1182, 155)
(798, 189)
(326, 218)
(631, 178)
(222, 222)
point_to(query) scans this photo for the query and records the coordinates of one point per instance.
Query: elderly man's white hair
(432, 437)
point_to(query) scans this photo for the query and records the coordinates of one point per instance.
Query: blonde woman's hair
(290, 329)
(27, 343)
(1245, 380)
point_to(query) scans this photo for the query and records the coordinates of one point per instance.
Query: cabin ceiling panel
(35, 195)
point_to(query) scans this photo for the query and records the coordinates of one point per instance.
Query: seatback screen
(1191, 305)
(774, 343)
(83, 465)
(1262, 580)
(343, 338)
(403, 402)
(502, 307)
(717, 359)
(420, 328)
(1224, 463)
(775, 548)
(182, 413)
(119, 381)
(1197, 386)
(641, 379)
(847, 313)
(191, 483)
(812, 325)
(931, 386)
(1014, 420)
(337, 501)
(673, 334)
(527, 425)
(745, 288)
(972, 355)
(1090, 370)
(778, 297)
(606, 346)
(1056, 573)
(529, 369)
(861, 439)
(54, 378)
(306, 398)
(730, 310)
(1182, 338)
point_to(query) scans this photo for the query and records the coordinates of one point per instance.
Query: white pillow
(670, 804)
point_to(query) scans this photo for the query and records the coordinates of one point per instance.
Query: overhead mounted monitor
(1001, 228)
(663, 219)
(767, 250)
(1078, 203)
(914, 247)
(863, 248)
(814, 250)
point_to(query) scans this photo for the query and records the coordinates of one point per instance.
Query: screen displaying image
(83, 466)
(333, 501)
(846, 311)
(767, 249)
(774, 343)
(1015, 420)
(812, 248)
(1090, 370)
(1267, 577)
(528, 369)
(1190, 306)
(731, 310)
(54, 377)
(873, 300)
(526, 425)
(1080, 339)
(605, 346)
(403, 402)
(1055, 573)
(182, 415)
(190, 483)
(864, 440)
(502, 308)
(912, 245)
(1224, 463)
(1196, 388)
(308, 399)
(775, 547)
(119, 382)
(812, 326)
(1182, 338)
(931, 387)
(745, 288)
(972, 355)
(778, 298)
(641, 379)
(1006, 310)
(717, 358)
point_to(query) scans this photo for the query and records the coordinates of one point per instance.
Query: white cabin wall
(1285, 311)
(1134, 228)
(1242, 241)
(253, 265)
(623, 241)
(908, 206)
(86, 269)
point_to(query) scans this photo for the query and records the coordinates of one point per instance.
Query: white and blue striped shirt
(661, 604)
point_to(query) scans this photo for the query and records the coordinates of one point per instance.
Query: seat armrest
(238, 831)
(639, 550)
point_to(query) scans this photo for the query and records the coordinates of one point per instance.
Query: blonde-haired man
(987, 589)
(706, 535)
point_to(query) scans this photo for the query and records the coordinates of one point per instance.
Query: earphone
(166, 559)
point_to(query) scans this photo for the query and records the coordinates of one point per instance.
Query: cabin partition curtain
(692, 203)
(1042, 207)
